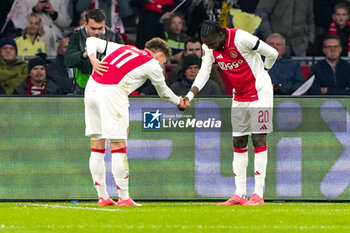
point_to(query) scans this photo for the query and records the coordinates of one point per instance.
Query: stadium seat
(305, 70)
(168, 68)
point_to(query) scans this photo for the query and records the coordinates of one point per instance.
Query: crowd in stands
(42, 42)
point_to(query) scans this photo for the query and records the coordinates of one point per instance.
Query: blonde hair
(157, 44)
(41, 27)
(167, 22)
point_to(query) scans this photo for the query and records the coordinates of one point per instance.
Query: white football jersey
(241, 60)
(129, 67)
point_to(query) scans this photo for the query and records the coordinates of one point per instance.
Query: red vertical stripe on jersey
(102, 151)
(124, 60)
(121, 150)
(260, 149)
(240, 150)
(236, 68)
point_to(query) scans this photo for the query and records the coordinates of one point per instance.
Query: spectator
(55, 18)
(37, 83)
(285, 74)
(76, 55)
(323, 11)
(194, 46)
(12, 70)
(150, 13)
(59, 72)
(332, 75)
(199, 11)
(174, 34)
(191, 66)
(293, 19)
(30, 43)
(114, 10)
(340, 26)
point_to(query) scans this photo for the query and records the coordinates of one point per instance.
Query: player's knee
(117, 143)
(240, 142)
(97, 143)
(259, 140)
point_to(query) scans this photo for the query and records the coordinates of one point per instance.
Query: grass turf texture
(30, 217)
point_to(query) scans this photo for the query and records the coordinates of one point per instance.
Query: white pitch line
(188, 227)
(72, 207)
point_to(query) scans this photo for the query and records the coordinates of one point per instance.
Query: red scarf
(157, 5)
(34, 90)
(333, 31)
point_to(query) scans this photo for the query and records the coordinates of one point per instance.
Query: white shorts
(252, 117)
(106, 111)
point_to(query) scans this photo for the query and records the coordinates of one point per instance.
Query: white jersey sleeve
(158, 81)
(270, 54)
(249, 41)
(204, 72)
(94, 45)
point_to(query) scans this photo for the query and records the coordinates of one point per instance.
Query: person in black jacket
(332, 75)
(58, 71)
(285, 74)
(191, 66)
(37, 82)
(76, 55)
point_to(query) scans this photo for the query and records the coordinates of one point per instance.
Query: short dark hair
(97, 15)
(328, 37)
(341, 5)
(157, 44)
(209, 27)
(191, 40)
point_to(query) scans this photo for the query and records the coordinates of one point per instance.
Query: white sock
(260, 163)
(98, 172)
(239, 164)
(120, 170)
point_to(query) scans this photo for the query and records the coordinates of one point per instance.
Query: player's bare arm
(190, 95)
(98, 66)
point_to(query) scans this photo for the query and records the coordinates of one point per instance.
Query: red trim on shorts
(120, 150)
(102, 151)
(240, 150)
(260, 149)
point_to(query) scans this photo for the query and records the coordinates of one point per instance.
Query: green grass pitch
(163, 217)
